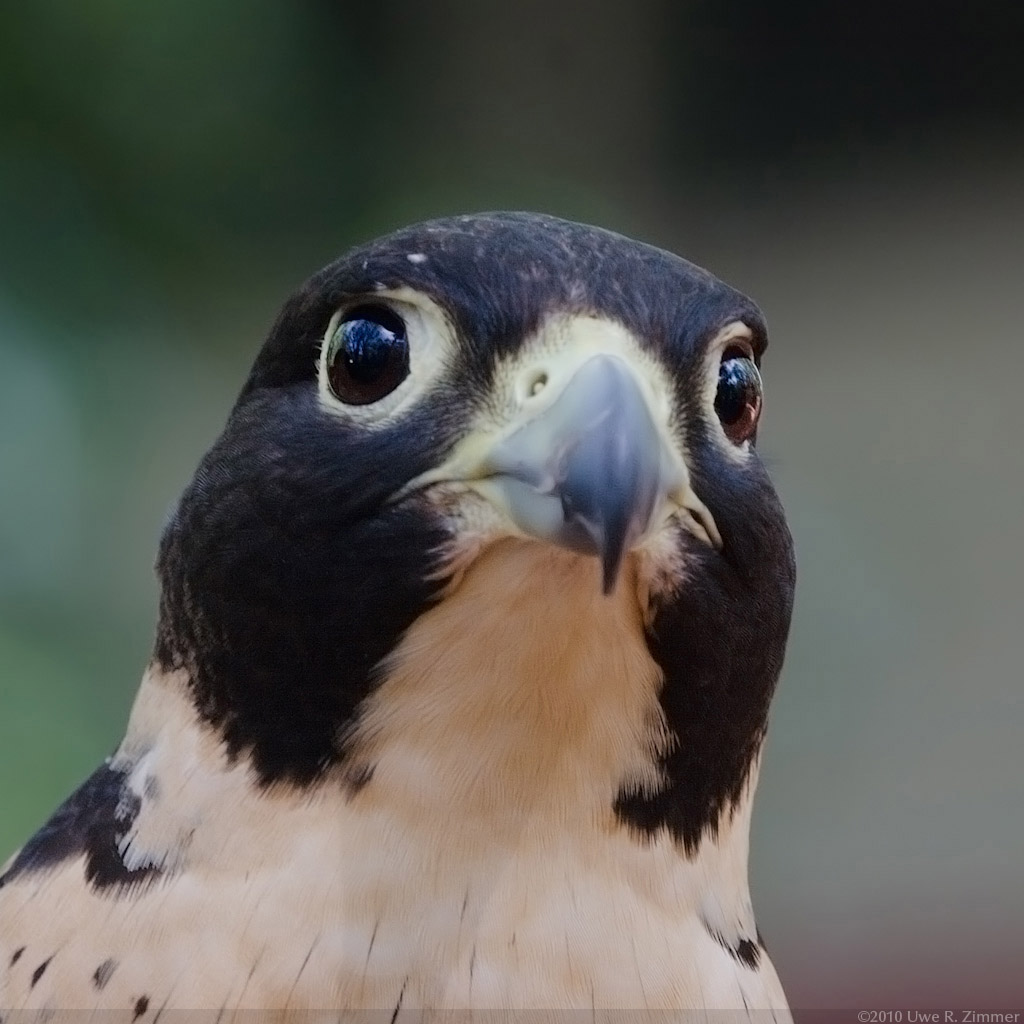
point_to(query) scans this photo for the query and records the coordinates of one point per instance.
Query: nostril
(536, 383)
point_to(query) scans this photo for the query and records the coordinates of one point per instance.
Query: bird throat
(524, 695)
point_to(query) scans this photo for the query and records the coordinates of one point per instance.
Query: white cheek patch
(661, 569)
(432, 341)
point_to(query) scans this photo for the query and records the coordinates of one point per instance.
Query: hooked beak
(586, 468)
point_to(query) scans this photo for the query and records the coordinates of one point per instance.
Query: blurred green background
(168, 173)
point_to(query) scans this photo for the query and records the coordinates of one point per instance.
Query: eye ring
(367, 355)
(740, 394)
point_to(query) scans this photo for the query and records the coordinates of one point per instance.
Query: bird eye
(368, 355)
(738, 400)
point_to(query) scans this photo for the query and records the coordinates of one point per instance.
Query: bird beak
(584, 465)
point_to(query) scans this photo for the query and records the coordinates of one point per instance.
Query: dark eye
(368, 355)
(738, 401)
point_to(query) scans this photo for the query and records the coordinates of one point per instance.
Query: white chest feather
(466, 856)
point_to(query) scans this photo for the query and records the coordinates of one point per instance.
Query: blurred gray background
(168, 173)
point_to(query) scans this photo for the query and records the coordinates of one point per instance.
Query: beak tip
(611, 563)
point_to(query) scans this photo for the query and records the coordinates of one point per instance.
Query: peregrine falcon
(469, 625)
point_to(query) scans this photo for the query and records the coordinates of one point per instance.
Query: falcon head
(492, 487)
